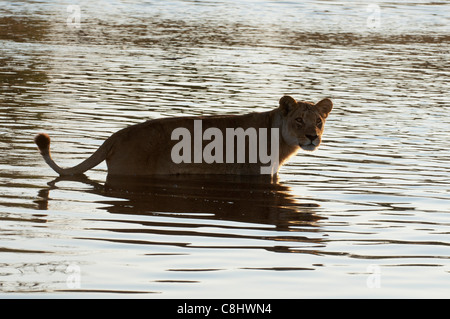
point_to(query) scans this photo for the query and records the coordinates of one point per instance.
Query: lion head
(303, 122)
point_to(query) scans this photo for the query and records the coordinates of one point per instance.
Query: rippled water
(367, 215)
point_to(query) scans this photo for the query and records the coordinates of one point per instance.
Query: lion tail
(42, 140)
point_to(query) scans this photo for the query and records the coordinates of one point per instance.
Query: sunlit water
(367, 215)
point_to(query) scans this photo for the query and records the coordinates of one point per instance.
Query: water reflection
(190, 202)
(235, 198)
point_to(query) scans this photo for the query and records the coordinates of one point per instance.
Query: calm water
(367, 215)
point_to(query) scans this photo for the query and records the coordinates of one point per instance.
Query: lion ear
(325, 106)
(287, 103)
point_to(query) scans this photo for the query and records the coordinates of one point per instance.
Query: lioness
(152, 148)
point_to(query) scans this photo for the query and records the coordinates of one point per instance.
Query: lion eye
(299, 120)
(319, 122)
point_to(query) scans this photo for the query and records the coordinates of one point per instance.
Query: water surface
(367, 215)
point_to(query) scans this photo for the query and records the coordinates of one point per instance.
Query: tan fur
(145, 149)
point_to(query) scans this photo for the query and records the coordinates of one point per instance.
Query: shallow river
(365, 216)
